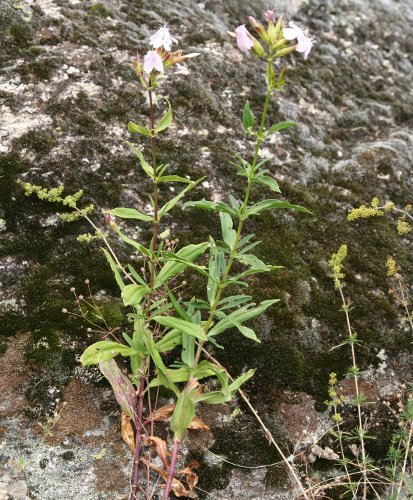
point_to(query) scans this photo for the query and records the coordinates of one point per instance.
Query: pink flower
(152, 61)
(304, 43)
(244, 41)
(162, 38)
(270, 16)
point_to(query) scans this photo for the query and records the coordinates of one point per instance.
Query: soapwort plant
(167, 322)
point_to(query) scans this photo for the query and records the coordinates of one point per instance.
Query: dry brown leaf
(161, 414)
(127, 432)
(190, 477)
(177, 487)
(161, 448)
(198, 424)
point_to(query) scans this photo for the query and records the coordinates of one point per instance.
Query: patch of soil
(14, 372)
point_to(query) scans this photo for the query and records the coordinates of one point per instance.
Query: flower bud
(110, 220)
(270, 16)
(274, 31)
(286, 50)
(259, 28)
(257, 48)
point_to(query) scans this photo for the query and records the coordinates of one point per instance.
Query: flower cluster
(160, 57)
(276, 36)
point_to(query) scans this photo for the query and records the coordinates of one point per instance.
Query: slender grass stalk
(406, 457)
(267, 432)
(356, 386)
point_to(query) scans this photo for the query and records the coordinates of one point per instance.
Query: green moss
(100, 9)
(39, 140)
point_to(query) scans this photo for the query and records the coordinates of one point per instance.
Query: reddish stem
(171, 469)
(138, 437)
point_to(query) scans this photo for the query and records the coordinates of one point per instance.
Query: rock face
(67, 91)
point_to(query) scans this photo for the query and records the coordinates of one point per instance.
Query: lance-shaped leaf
(184, 410)
(173, 178)
(134, 128)
(103, 350)
(169, 341)
(166, 120)
(115, 269)
(162, 370)
(182, 374)
(268, 181)
(144, 164)
(124, 391)
(267, 204)
(280, 126)
(247, 117)
(172, 268)
(241, 380)
(217, 206)
(133, 243)
(228, 233)
(180, 324)
(133, 294)
(240, 316)
(130, 213)
(171, 203)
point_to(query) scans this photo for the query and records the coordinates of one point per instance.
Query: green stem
(243, 217)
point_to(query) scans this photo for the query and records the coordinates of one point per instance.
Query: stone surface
(67, 91)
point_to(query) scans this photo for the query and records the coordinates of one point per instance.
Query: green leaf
(171, 203)
(188, 349)
(172, 268)
(247, 117)
(134, 128)
(213, 272)
(233, 301)
(241, 315)
(173, 178)
(267, 204)
(135, 275)
(280, 126)
(241, 380)
(166, 120)
(163, 376)
(146, 167)
(133, 295)
(217, 206)
(184, 412)
(115, 269)
(129, 213)
(143, 250)
(251, 260)
(185, 326)
(213, 398)
(169, 341)
(269, 182)
(245, 330)
(103, 350)
(228, 234)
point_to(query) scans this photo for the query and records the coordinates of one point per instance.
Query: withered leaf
(127, 432)
(198, 424)
(162, 414)
(177, 487)
(161, 448)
